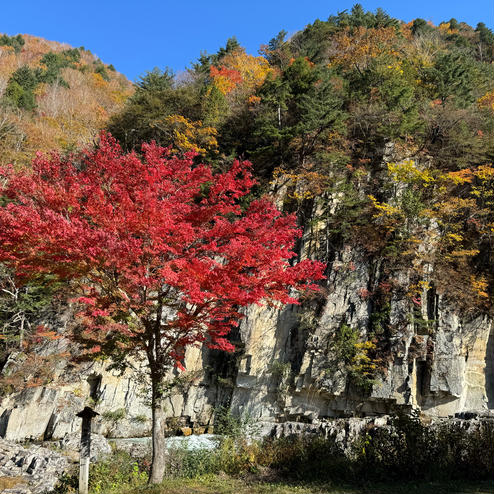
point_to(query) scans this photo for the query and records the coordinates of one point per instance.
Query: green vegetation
(115, 415)
(226, 485)
(325, 113)
(22, 307)
(346, 348)
(379, 133)
(101, 69)
(22, 84)
(408, 452)
(232, 426)
(16, 42)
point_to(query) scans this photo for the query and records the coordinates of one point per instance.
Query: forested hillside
(378, 134)
(391, 123)
(338, 287)
(53, 97)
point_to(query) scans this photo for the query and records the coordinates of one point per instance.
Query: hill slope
(53, 96)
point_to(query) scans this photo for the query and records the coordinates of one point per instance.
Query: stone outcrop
(71, 443)
(283, 371)
(32, 470)
(446, 371)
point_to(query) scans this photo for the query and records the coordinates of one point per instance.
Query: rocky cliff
(289, 366)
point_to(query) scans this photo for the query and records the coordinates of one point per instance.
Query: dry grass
(227, 485)
(8, 482)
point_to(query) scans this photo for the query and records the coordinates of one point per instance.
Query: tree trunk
(159, 456)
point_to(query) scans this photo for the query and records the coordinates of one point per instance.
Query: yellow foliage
(454, 236)
(396, 67)
(487, 101)
(424, 285)
(361, 362)
(459, 177)
(383, 208)
(190, 136)
(306, 183)
(98, 80)
(407, 172)
(464, 253)
(445, 27)
(453, 205)
(238, 69)
(484, 172)
(480, 286)
(252, 69)
(359, 46)
(417, 289)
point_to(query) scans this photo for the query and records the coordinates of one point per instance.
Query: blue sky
(136, 36)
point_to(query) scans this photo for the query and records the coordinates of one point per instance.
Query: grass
(410, 460)
(9, 482)
(221, 484)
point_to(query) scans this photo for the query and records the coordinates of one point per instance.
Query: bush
(109, 476)
(185, 462)
(411, 450)
(230, 425)
(304, 458)
(403, 451)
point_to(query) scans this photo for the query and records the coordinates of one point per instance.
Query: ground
(226, 485)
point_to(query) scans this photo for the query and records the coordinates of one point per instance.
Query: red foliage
(159, 252)
(364, 293)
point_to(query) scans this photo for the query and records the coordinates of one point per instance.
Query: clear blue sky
(137, 35)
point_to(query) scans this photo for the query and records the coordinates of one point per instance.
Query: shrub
(228, 424)
(405, 450)
(115, 415)
(109, 476)
(185, 462)
(411, 450)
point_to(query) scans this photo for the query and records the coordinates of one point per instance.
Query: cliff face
(442, 373)
(287, 367)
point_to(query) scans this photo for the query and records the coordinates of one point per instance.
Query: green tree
(144, 114)
(156, 80)
(452, 75)
(383, 104)
(21, 86)
(297, 111)
(17, 42)
(420, 27)
(486, 42)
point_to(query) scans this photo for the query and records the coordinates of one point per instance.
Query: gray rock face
(36, 468)
(285, 371)
(100, 447)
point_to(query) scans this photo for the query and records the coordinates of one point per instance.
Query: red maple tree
(160, 253)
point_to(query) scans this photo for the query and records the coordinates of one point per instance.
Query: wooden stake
(87, 415)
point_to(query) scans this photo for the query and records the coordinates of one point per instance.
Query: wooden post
(87, 415)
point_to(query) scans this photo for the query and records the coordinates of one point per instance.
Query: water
(203, 441)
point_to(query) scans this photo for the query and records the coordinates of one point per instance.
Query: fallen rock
(33, 470)
(100, 447)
